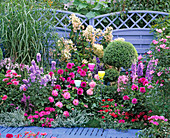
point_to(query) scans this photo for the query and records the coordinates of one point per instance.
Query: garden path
(70, 132)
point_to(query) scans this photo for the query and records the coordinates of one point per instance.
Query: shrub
(120, 54)
(111, 75)
(1, 54)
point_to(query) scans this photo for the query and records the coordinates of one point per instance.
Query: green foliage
(120, 54)
(111, 75)
(21, 35)
(97, 7)
(13, 119)
(76, 119)
(1, 54)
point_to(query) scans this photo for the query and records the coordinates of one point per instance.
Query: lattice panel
(133, 19)
(57, 18)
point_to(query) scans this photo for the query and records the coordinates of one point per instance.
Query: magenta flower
(15, 82)
(60, 71)
(68, 79)
(159, 73)
(134, 87)
(142, 89)
(134, 100)
(69, 65)
(72, 82)
(66, 95)
(72, 75)
(57, 87)
(75, 102)
(4, 97)
(80, 91)
(5, 80)
(55, 93)
(126, 97)
(66, 113)
(82, 73)
(83, 84)
(59, 104)
(51, 99)
(121, 121)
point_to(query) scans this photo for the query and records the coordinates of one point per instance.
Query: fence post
(91, 22)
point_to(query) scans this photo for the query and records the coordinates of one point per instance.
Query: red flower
(150, 111)
(133, 120)
(111, 100)
(9, 136)
(126, 117)
(108, 99)
(106, 110)
(103, 100)
(145, 117)
(43, 134)
(107, 106)
(115, 116)
(127, 113)
(103, 117)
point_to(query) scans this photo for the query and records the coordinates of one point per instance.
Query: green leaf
(81, 6)
(98, 7)
(90, 15)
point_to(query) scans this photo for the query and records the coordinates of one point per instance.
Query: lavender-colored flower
(32, 76)
(150, 67)
(38, 57)
(25, 81)
(33, 63)
(53, 63)
(140, 69)
(133, 74)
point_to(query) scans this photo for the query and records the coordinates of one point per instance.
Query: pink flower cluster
(40, 115)
(11, 74)
(156, 117)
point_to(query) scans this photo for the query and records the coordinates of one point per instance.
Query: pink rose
(51, 99)
(59, 104)
(76, 102)
(96, 76)
(66, 95)
(92, 84)
(66, 113)
(90, 91)
(55, 93)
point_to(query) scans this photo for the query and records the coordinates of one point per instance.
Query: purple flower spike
(38, 57)
(53, 63)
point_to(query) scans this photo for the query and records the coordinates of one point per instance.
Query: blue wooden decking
(69, 132)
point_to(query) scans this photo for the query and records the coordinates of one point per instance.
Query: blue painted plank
(74, 131)
(81, 129)
(95, 132)
(100, 132)
(84, 131)
(69, 130)
(89, 132)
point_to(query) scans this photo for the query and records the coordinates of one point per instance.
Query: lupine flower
(140, 69)
(75, 102)
(38, 57)
(133, 74)
(53, 64)
(66, 113)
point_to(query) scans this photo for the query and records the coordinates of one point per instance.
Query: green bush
(111, 75)
(120, 54)
(1, 54)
